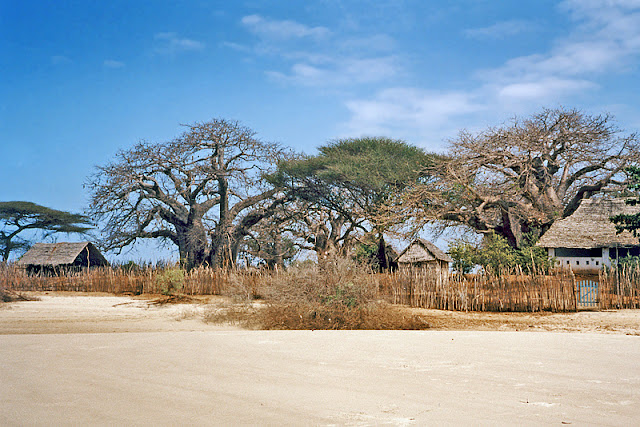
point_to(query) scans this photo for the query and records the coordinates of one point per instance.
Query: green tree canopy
(361, 179)
(19, 217)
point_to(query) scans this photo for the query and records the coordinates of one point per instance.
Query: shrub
(336, 293)
(170, 281)
(464, 255)
(495, 255)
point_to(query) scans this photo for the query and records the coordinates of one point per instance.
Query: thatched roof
(63, 253)
(421, 250)
(590, 227)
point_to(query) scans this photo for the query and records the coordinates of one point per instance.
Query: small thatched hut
(423, 254)
(587, 239)
(63, 256)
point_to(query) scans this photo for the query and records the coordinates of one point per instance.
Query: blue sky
(80, 80)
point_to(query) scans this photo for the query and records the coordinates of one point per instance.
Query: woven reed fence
(506, 292)
(619, 287)
(556, 292)
(201, 281)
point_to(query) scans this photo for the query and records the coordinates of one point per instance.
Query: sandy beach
(98, 360)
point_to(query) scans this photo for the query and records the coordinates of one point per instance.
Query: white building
(587, 239)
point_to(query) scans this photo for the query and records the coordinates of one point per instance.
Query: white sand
(200, 375)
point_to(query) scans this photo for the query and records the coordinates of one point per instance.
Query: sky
(80, 80)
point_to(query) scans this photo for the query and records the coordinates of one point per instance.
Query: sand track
(160, 365)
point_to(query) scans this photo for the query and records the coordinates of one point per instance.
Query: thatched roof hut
(587, 238)
(63, 255)
(590, 226)
(423, 253)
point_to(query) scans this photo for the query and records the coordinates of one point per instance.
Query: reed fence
(505, 292)
(201, 281)
(619, 287)
(510, 291)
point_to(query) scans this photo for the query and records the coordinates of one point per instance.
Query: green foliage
(464, 255)
(630, 222)
(345, 295)
(629, 261)
(363, 252)
(356, 176)
(373, 164)
(170, 281)
(17, 217)
(496, 255)
(531, 257)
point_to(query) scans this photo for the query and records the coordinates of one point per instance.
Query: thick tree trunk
(192, 244)
(223, 249)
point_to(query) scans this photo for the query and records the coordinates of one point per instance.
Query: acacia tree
(19, 217)
(354, 181)
(202, 191)
(521, 177)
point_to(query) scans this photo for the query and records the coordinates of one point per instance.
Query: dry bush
(376, 315)
(11, 296)
(233, 314)
(5, 296)
(336, 293)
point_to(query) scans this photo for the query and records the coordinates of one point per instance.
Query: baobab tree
(202, 191)
(521, 177)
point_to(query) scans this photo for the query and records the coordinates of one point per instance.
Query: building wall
(582, 263)
(427, 265)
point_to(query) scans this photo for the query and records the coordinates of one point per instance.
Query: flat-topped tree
(19, 217)
(521, 177)
(356, 181)
(202, 191)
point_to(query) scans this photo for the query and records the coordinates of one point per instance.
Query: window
(597, 262)
(587, 262)
(615, 253)
(577, 262)
(579, 252)
(568, 262)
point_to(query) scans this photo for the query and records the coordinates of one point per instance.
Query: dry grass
(334, 294)
(338, 293)
(7, 295)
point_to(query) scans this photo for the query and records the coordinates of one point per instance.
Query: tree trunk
(381, 256)
(223, 249)
(192, 244)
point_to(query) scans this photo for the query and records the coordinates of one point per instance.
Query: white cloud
(314, 57)
(401, 111)
(328, 71)
(604, 40)
(170, 43)
(281, 29)
(500, 30)
(111, 63)
(237, 46)
(544, 89)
